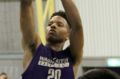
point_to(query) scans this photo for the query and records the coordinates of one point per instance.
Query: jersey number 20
(54, 74)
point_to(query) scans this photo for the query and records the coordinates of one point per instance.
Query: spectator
(3, 75)
(100, 74)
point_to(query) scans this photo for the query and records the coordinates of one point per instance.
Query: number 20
(56, 74)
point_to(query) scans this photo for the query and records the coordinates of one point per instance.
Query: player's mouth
(52, 31)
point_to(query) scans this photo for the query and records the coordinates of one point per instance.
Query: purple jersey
(49, 64)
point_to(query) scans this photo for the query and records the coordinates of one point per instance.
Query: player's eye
(50, 23)
(60, 24)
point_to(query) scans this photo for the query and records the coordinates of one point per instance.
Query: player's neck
(56, 47)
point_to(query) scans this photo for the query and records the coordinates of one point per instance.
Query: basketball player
(50, 61)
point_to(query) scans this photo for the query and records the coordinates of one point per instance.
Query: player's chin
(54, 39)
(50, 37)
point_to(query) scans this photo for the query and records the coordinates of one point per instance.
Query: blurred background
(101, 26)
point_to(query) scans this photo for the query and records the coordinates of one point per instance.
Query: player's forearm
(76, 43)
(26, 2)
(27, 21)
(71, 11)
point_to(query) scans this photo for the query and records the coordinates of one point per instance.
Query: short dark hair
(62, 14)
(3, 73)
(100, 74)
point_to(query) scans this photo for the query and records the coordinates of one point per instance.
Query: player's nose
(53, 25)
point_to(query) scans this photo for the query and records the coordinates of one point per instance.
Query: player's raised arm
(30, 38)
(76, 35)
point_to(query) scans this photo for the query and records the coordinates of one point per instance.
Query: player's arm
(76, 36)
(30, 39)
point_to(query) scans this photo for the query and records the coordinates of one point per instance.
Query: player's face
(57, 30)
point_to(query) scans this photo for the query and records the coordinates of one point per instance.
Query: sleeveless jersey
(49, 64)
